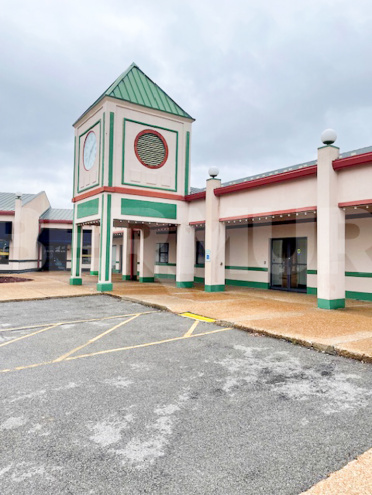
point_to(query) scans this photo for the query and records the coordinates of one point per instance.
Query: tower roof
(135, 87)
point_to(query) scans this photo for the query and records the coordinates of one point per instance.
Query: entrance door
(55, 257)
(289, 264)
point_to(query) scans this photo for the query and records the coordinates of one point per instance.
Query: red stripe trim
(264, 181)
(45, 220)
(359, 202)
(7, 212)
(270, 213)
(197, 223)
(195, 196)
(128, 190)
(352, 161)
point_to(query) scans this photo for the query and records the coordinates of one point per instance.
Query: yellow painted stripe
(197, 317)
(64, 356)
(29, 327)
(114, 350)
(29, 335)
(191, 329)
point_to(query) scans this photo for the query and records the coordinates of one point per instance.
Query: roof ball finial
(213, 172)
(328, 136)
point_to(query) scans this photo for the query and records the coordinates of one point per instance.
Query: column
(185, 256)
(94, 266)
(127, 254)
(214, 240)
(330, 234)
(105, 251)
(147, 255)
(76, 253)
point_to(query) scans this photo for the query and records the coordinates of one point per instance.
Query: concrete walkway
(291, 316)
(294, 317)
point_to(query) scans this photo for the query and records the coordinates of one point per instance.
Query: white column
(185, 256)
(94, 266)
(214, 240)
(147, 255)
(76, 252)
(127, 254)
(105, 251)
(330, 234)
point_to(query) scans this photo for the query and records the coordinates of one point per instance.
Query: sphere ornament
(328, 136)
(213, 172)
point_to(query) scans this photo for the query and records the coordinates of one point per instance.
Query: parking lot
(105, 396)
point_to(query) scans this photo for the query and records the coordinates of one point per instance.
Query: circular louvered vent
(151, 149)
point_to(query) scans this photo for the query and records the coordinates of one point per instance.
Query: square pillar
(214, 241)
(185, 256)
(330, 233)
(94, 265)
(105, 251)
(127, 254)
(76, 253)
(147, 255)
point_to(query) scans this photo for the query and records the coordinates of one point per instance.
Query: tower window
(151, 149)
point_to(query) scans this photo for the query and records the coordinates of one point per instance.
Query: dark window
(86, 255)
(4, 252)
(162, 252)
(200, 253)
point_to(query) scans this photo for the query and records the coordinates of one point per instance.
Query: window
(86, 255)
(162, 252)
(200, 253)
(4, 252)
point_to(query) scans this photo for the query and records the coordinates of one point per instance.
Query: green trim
(101, 238)
(72, 241)
(199, 265)
(199, 280)
(125, 277)
(123, 156)
(115, 270)
(362, 296)
(108, 238)
(214, 288)
(331, 303)
(312, 290)
(78, 249)
(165, 275)
(311, 272)
(165, 264)
(137, 207)
(99, 158)
(147, 279)
(94, 272)
(74, 179)
(111, 148)
(88, 208)
(249, 268)
(104, 287)
(187, 163)
(245, 283)
(103, 148)
(184, 285)
(358, 274)
(76, 281)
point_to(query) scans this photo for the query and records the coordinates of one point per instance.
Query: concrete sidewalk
(291, 316)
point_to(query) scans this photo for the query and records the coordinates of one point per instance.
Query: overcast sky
(262, 78)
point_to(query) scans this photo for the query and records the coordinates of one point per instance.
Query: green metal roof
(135, 87)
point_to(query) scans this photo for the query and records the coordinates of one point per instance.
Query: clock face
(90, 150)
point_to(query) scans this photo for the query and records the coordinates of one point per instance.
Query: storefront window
(162, 252)
(4, 252)
(200, 253)
(86, 255)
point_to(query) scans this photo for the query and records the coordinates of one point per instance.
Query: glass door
(289, 264)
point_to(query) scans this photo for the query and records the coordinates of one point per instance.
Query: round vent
(151, 149)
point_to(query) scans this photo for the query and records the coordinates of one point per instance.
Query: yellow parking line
(18, 368)
(64, 356)
(191, 329)
(197, 317)
(29, 335)
(75, 321)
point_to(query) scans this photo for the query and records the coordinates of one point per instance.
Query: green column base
(184, 285)
(104, 287)
(214, 288)
(331, 303)
(125, 277)
(76, 281)
(147, 279)
(92, 272)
